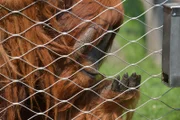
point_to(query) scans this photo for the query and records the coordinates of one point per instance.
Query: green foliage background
(157, 101)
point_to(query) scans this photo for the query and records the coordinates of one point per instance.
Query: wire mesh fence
(55, 62)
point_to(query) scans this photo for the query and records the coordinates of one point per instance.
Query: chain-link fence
(55, 61)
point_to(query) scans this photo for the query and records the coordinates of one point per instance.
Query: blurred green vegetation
(132, 57)
(134, 8)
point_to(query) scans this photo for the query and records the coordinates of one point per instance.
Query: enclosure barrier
(129, 54)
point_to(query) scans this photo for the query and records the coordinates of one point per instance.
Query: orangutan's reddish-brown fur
(31, 56)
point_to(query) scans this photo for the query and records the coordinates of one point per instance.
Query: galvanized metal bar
(171, 45)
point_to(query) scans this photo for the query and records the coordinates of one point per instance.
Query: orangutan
(48, 53)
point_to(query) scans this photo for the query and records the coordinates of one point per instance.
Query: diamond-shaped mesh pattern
(39, 68)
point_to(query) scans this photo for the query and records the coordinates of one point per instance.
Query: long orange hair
(33, 44)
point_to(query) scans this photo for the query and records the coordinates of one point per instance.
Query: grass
(133, 57)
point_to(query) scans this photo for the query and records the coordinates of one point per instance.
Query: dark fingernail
(118, 77)
(134, 74)
(126, 75)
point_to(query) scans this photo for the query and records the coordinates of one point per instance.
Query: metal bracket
(171, 45)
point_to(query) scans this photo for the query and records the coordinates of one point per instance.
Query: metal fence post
(171, 45)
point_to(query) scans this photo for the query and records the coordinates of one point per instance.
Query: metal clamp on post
(171, 45)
